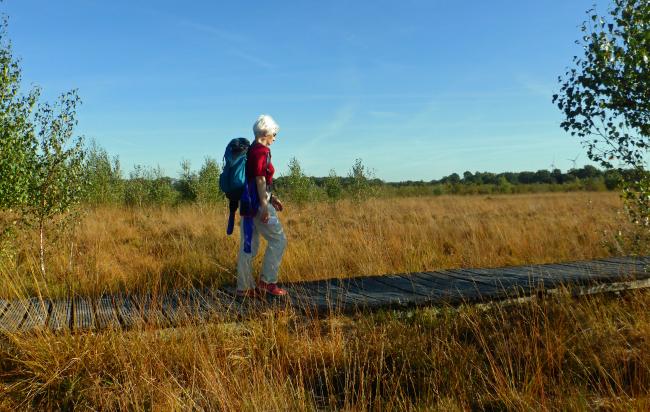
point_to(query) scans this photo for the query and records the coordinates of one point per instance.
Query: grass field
(559, 353)
(142, 249)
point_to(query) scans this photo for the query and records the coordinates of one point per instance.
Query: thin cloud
(241, 43)
(331, 129)
(342, 118)
(252, 59)
(222, 34)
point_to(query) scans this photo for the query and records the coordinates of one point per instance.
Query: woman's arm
(260, 183)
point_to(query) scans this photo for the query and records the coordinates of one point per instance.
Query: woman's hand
(277, 204)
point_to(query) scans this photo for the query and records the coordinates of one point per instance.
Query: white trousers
(276, 244)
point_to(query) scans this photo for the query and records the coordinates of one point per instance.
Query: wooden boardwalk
(445, 287)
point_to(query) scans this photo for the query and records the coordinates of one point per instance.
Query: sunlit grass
(557, 353)
(116, 248)
(560, 353)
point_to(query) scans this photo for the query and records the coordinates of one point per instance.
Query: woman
(259, 170)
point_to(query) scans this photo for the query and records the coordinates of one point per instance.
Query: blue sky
(417, 89)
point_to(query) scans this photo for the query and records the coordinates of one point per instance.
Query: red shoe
(270, 288)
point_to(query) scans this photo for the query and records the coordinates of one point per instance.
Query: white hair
(265, 125)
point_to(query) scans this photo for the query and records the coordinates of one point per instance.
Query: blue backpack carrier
(233, 177)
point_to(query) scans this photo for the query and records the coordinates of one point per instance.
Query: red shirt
(256, 163)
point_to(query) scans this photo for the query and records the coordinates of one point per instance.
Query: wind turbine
(553, 164)
(574, 161)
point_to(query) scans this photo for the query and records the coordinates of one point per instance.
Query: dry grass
(131, 249)
(555, 354)
(560, 354)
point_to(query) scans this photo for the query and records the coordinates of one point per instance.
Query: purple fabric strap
(250, 204)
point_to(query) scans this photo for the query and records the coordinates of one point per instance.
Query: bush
(186, 184)
(207, 183)
(360, 186)
(333, 186)
(149, 186)
(298, 187)
(103, 177)
(613, 179)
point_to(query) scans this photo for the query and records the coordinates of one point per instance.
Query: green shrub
(186, 184)
(333, 186)
(298, 187)
(207, 183)
(103, 177)
(360, 187)
(149, 186)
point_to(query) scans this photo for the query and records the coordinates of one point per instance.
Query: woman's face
(269, 139)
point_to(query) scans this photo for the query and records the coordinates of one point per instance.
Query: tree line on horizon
(105, 183)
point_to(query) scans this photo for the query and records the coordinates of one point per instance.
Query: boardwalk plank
(240, 306)
(152, 310)
(589, 273)
(352, 293)
(192, 308)
(386, 293)
(342, 297)
(524, 279)
(567, 275)
(130, 314)
(204, 304)
(83, 313)
(534, 277)
(302, 296)
(3, 306)
(105, 313)
(277, 302)
(629, 260)
(216, 304)
(226, 305)
(451, 285)
(416, 291)
(443, 289)
(36, 315)
(634, 265)
(553, 275)
(499, 278)
(626, 266)
(596, 267)
(491, 287)
(175, 307)
(337, 296)
(170, 308)
(598, 271)
(494, 274)
(14, 315)
(60, 314)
